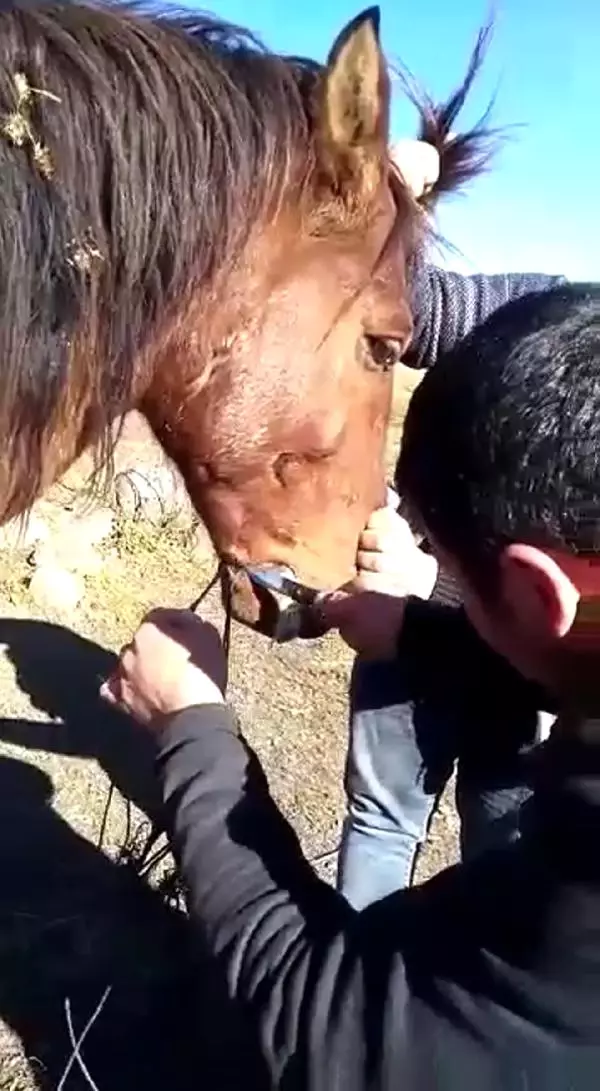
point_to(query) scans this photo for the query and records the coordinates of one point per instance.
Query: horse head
(281, 438)
(218, 236)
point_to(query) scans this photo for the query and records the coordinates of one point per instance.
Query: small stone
(69, 554)
(54, 588)
(23, 533)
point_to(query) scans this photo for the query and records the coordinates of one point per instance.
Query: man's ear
(539, 594)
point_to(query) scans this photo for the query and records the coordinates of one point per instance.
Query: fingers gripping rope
(147, 857)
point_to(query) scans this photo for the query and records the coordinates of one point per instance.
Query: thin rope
(77, 1043)
(150, 857)
(220, 573)
(206, 590)
(105, 813)
(323, 857)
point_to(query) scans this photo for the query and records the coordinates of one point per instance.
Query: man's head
(500, 465)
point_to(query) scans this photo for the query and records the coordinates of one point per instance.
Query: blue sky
(537, 210)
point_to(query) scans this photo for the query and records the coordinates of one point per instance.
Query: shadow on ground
(73, 922)
(61, 673)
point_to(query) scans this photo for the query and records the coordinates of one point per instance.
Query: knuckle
(368, 561)
(128, 658)
(380, 541)
(367, 581)
(154, 616)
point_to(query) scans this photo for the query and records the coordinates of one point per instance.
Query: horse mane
(137, 154)
(463, 156)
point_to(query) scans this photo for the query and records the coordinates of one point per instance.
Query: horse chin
(270, 613)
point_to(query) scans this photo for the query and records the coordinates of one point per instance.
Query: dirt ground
(75, 917)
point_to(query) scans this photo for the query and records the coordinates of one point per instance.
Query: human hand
(369, 611)
(389, 561)
(419, 165)
(174, 661)
(370, 622)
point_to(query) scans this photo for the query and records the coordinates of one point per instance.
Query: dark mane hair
(137, 155)
(463, 156)
(110, 215)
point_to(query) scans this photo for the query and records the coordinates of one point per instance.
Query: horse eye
(384, 352)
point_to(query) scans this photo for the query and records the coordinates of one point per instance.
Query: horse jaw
(268, 611)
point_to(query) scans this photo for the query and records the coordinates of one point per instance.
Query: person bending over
(398, 763)
(397, 768)
(487, 976)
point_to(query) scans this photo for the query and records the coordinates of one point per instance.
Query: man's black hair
(502, 437)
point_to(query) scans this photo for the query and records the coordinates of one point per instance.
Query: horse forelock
(137, 155)
(465, 155)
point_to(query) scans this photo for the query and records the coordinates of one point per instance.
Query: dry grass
(145, 567)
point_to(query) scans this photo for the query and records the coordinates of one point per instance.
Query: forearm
(276, 930)
(448, 306)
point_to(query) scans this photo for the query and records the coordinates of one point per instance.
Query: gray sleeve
(448, 306)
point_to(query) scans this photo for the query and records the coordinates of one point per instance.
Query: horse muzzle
(269, 599)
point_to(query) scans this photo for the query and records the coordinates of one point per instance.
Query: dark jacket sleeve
(447, 306)
(327, 991)
(287, 944)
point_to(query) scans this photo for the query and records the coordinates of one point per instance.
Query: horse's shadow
(73, 922)
(61, 673)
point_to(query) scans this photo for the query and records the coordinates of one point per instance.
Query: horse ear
(355, 105)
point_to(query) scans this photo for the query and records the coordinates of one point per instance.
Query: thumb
(109, 690)
(334, 608)
(419, 164)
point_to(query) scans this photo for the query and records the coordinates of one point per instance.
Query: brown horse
(214, 234)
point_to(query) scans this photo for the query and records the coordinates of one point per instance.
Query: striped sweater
(446, 308)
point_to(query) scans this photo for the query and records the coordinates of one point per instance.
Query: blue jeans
(403, 750)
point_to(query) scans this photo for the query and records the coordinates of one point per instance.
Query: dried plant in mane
(18, 129)
(168, 148)
(214, 234)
